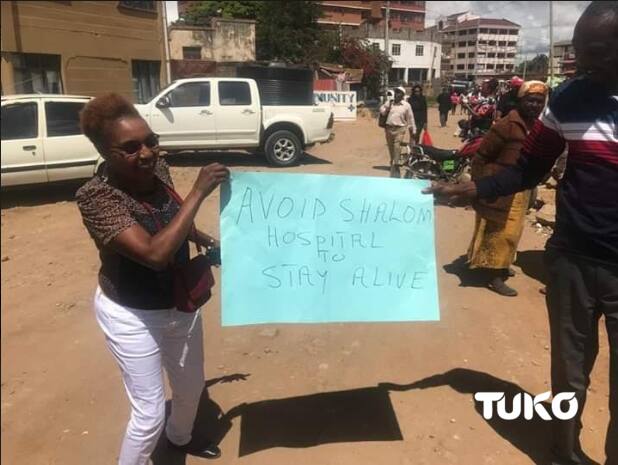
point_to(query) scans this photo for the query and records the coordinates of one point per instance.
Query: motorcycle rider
(508, 101)
(482, 112)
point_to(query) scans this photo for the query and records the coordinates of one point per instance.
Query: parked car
(226, 113)
(42, 140)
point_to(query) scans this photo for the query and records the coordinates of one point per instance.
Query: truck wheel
(283, 148)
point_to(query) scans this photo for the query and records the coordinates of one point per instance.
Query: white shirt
(400, 114)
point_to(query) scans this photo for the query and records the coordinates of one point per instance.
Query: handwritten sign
(342, 104)
(307, 248)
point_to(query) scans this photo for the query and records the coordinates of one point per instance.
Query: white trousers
(143, 342)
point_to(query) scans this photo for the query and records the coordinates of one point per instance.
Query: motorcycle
(434, 164)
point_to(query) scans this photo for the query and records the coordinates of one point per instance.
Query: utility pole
(387, 16)
(168, 67)
(551, 43)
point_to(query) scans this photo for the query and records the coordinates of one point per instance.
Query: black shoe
(207, 451)
(511, 272)
(499, 286)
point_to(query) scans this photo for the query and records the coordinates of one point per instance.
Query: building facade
(352, 14)
(211, 50)
(564, 58)
(415, 55)
(86, 48)
(475, 47)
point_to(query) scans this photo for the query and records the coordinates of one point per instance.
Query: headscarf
(516, 82)
(532, 87)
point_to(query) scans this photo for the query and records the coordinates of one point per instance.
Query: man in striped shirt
(582, 254)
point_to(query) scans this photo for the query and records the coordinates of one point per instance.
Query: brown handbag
(192, 281)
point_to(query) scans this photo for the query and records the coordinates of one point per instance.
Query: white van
(42, 141)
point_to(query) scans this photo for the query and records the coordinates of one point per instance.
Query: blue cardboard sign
(308, 248)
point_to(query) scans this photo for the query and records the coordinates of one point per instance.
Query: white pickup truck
(225, 113)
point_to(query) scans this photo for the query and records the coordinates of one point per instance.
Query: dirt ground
(306, 394)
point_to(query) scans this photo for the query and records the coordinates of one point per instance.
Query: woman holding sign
(142, 229)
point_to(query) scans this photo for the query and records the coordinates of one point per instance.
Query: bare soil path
(314, 394)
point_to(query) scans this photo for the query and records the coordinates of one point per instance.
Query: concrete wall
(223, 41)
(95, 40)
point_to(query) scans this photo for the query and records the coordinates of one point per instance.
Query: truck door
(238, 113)
(187, 119)
(23, 156)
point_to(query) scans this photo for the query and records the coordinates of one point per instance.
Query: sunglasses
(132, 147)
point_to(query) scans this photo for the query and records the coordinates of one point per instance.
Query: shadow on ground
(467, 277)
(232, 158)
(363, 414)
(35, 195)
(531, 437)
(532, 264)
(211, 424)
(39, 194)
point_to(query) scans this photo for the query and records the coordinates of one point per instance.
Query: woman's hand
(457, 194)
(210, 177)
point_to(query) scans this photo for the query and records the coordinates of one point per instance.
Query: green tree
(201, 12)
(285, 30)
(538, 65)
(361, 54)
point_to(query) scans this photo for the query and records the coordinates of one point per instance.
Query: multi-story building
(86, 48)
(475, 47)
(564, 58)
(415, 55)
(403, 15)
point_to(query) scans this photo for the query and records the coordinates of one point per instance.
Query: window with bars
(396, 49)
(146, 79)
(191, 53)
(420, 50)
(36, 73)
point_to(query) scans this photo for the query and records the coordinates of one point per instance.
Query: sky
(533, 17)
(172, 11)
